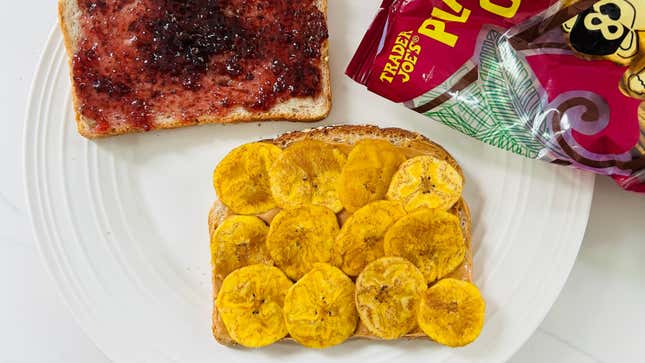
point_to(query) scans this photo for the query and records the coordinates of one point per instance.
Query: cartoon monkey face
(606, 29)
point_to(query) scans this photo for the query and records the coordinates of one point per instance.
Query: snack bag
(561, 81)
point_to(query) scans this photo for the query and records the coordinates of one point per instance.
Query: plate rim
(31, 99)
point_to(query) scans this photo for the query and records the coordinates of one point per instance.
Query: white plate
(121, 223)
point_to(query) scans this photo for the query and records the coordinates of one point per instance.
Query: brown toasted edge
(340, 134)
(82, 122)
(350, 134)
(70, 49)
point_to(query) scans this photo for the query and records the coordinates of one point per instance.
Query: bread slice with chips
(344, 138)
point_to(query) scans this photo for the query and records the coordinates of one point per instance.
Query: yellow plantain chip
(319, 309)
(388, 292)
(307, 172)
(452, 312)
(300, 237)
(430, 239)
(368, 172)
(360, 240)
(242, 178)
(425, 181)
(239, 241)
(250, 303)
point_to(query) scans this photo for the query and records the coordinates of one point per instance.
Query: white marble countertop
(599, 316)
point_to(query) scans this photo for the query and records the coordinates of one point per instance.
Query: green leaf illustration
(511, 92)
(502, 108)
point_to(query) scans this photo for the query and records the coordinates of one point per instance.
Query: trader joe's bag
(560, 81)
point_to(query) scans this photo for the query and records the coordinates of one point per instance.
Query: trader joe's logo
(405, 52)
(403, 58)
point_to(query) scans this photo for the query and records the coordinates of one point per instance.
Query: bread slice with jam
(141, 65)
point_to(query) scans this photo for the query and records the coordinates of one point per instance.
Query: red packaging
(560, 81)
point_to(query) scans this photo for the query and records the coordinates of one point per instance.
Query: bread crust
(349, 135)
(295, 109)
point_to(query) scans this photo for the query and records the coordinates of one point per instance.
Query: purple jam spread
(179, 59)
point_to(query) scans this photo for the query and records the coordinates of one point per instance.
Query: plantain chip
(387, 296)
(307, 172)
(452, 312)
(319, 309)
(425, 181)
(431, 239)
(368, 172)
(360, 240)
(239, 241)
(250, 304)
(242, 178)
(300, 237)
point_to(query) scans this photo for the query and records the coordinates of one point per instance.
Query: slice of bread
(303, 109)
(412, 143)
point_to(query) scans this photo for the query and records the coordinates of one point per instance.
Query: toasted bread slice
(413, 144)
(303, 109)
